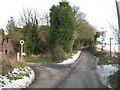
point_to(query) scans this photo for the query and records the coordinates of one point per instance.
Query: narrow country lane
(84, 74)
(81, 74)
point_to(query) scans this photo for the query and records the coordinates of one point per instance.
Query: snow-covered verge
(18, 78)
(72, 59)
(114, 47)
(105, 71)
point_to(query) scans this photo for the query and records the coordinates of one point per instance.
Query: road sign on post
(21, 42)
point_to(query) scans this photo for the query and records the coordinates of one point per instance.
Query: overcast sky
(98, 12)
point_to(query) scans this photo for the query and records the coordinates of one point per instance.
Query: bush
(44, 41)
(86, 42)
(115, 80)
(58, 54)
(16, 36)
(45, 28)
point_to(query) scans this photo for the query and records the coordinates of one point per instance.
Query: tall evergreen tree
(62, 20)
(11, 25)
(31, 37)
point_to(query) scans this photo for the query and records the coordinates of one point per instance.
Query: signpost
(21, 43)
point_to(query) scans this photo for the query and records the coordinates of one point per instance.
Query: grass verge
(38, 59)
(45, 58)
(103, 56)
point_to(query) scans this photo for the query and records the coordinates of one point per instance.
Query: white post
(18, 56)
(21, 49)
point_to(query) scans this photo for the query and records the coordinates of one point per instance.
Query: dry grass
(8, 64)
(42, 55)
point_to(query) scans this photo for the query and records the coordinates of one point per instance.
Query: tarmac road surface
(81, 74)
(84, 74)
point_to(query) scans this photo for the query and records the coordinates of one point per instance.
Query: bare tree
(103, 35)
(116, 28)
(80, 16)
(28, 15)
(45, 19)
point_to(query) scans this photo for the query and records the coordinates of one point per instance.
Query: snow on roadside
(114, 47)
(72, 59)
(105, 71)
(27, 77)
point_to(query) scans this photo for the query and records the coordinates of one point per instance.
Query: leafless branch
(28, 15)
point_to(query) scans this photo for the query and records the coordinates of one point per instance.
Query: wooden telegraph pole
(110, 46)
